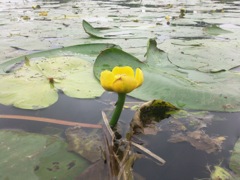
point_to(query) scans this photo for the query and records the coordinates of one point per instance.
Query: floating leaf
(220, 173)
(215, 30)
(32, 156)
(36, 83)
(190, 89)
(209, 56)
(110, 33)
(89, 29)
(234, 163)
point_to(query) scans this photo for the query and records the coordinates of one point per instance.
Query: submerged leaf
(199, 140)
(87, 145)
(32, 156)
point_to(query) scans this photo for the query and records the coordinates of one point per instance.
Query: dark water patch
(183, 161)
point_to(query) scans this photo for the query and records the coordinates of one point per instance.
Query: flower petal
(127, 70)
(107, 79)
(139, 77)
(124, 84)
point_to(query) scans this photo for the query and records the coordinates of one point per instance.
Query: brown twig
(49, 120)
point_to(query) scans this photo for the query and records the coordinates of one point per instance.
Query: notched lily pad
(35, 85)
(166, 77)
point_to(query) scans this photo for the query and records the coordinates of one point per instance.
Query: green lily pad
(204, 55)
(111, 33)
(234, 163)
(33, 156)
(215, 30)
(221, 173)
(190, 89)
(36, 84)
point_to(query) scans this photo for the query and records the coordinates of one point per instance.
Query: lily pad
(234, 163)
(208, 56)
(221, 173)
(190, 89)
(36, 83)
(215, 30)
(111, 33)
(33, 156)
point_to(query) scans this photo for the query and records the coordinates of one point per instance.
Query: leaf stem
(118, 109)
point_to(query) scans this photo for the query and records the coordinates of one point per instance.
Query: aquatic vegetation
(122, 81)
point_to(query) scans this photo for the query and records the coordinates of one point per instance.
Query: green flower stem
(118, 109)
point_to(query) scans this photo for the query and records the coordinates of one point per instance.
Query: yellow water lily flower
(43, 13)
(121, 79)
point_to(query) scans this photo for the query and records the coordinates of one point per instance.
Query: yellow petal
(43, 13)
(127, 70)
(107, 79)
(139, 77)
(124, 84)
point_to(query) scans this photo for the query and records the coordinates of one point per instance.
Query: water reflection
(183, 161)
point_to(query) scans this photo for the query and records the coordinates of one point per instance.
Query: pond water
(24, 30)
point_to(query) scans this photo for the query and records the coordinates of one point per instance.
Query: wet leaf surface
(234, 163)
(45, 76)
(62, 27)
(220, 173)
(88, 145)
(185, 88)
(33, 156)
(149, 114)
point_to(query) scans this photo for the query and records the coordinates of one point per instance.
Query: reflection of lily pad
(32, 156)
(190, 89)
(35, 85)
